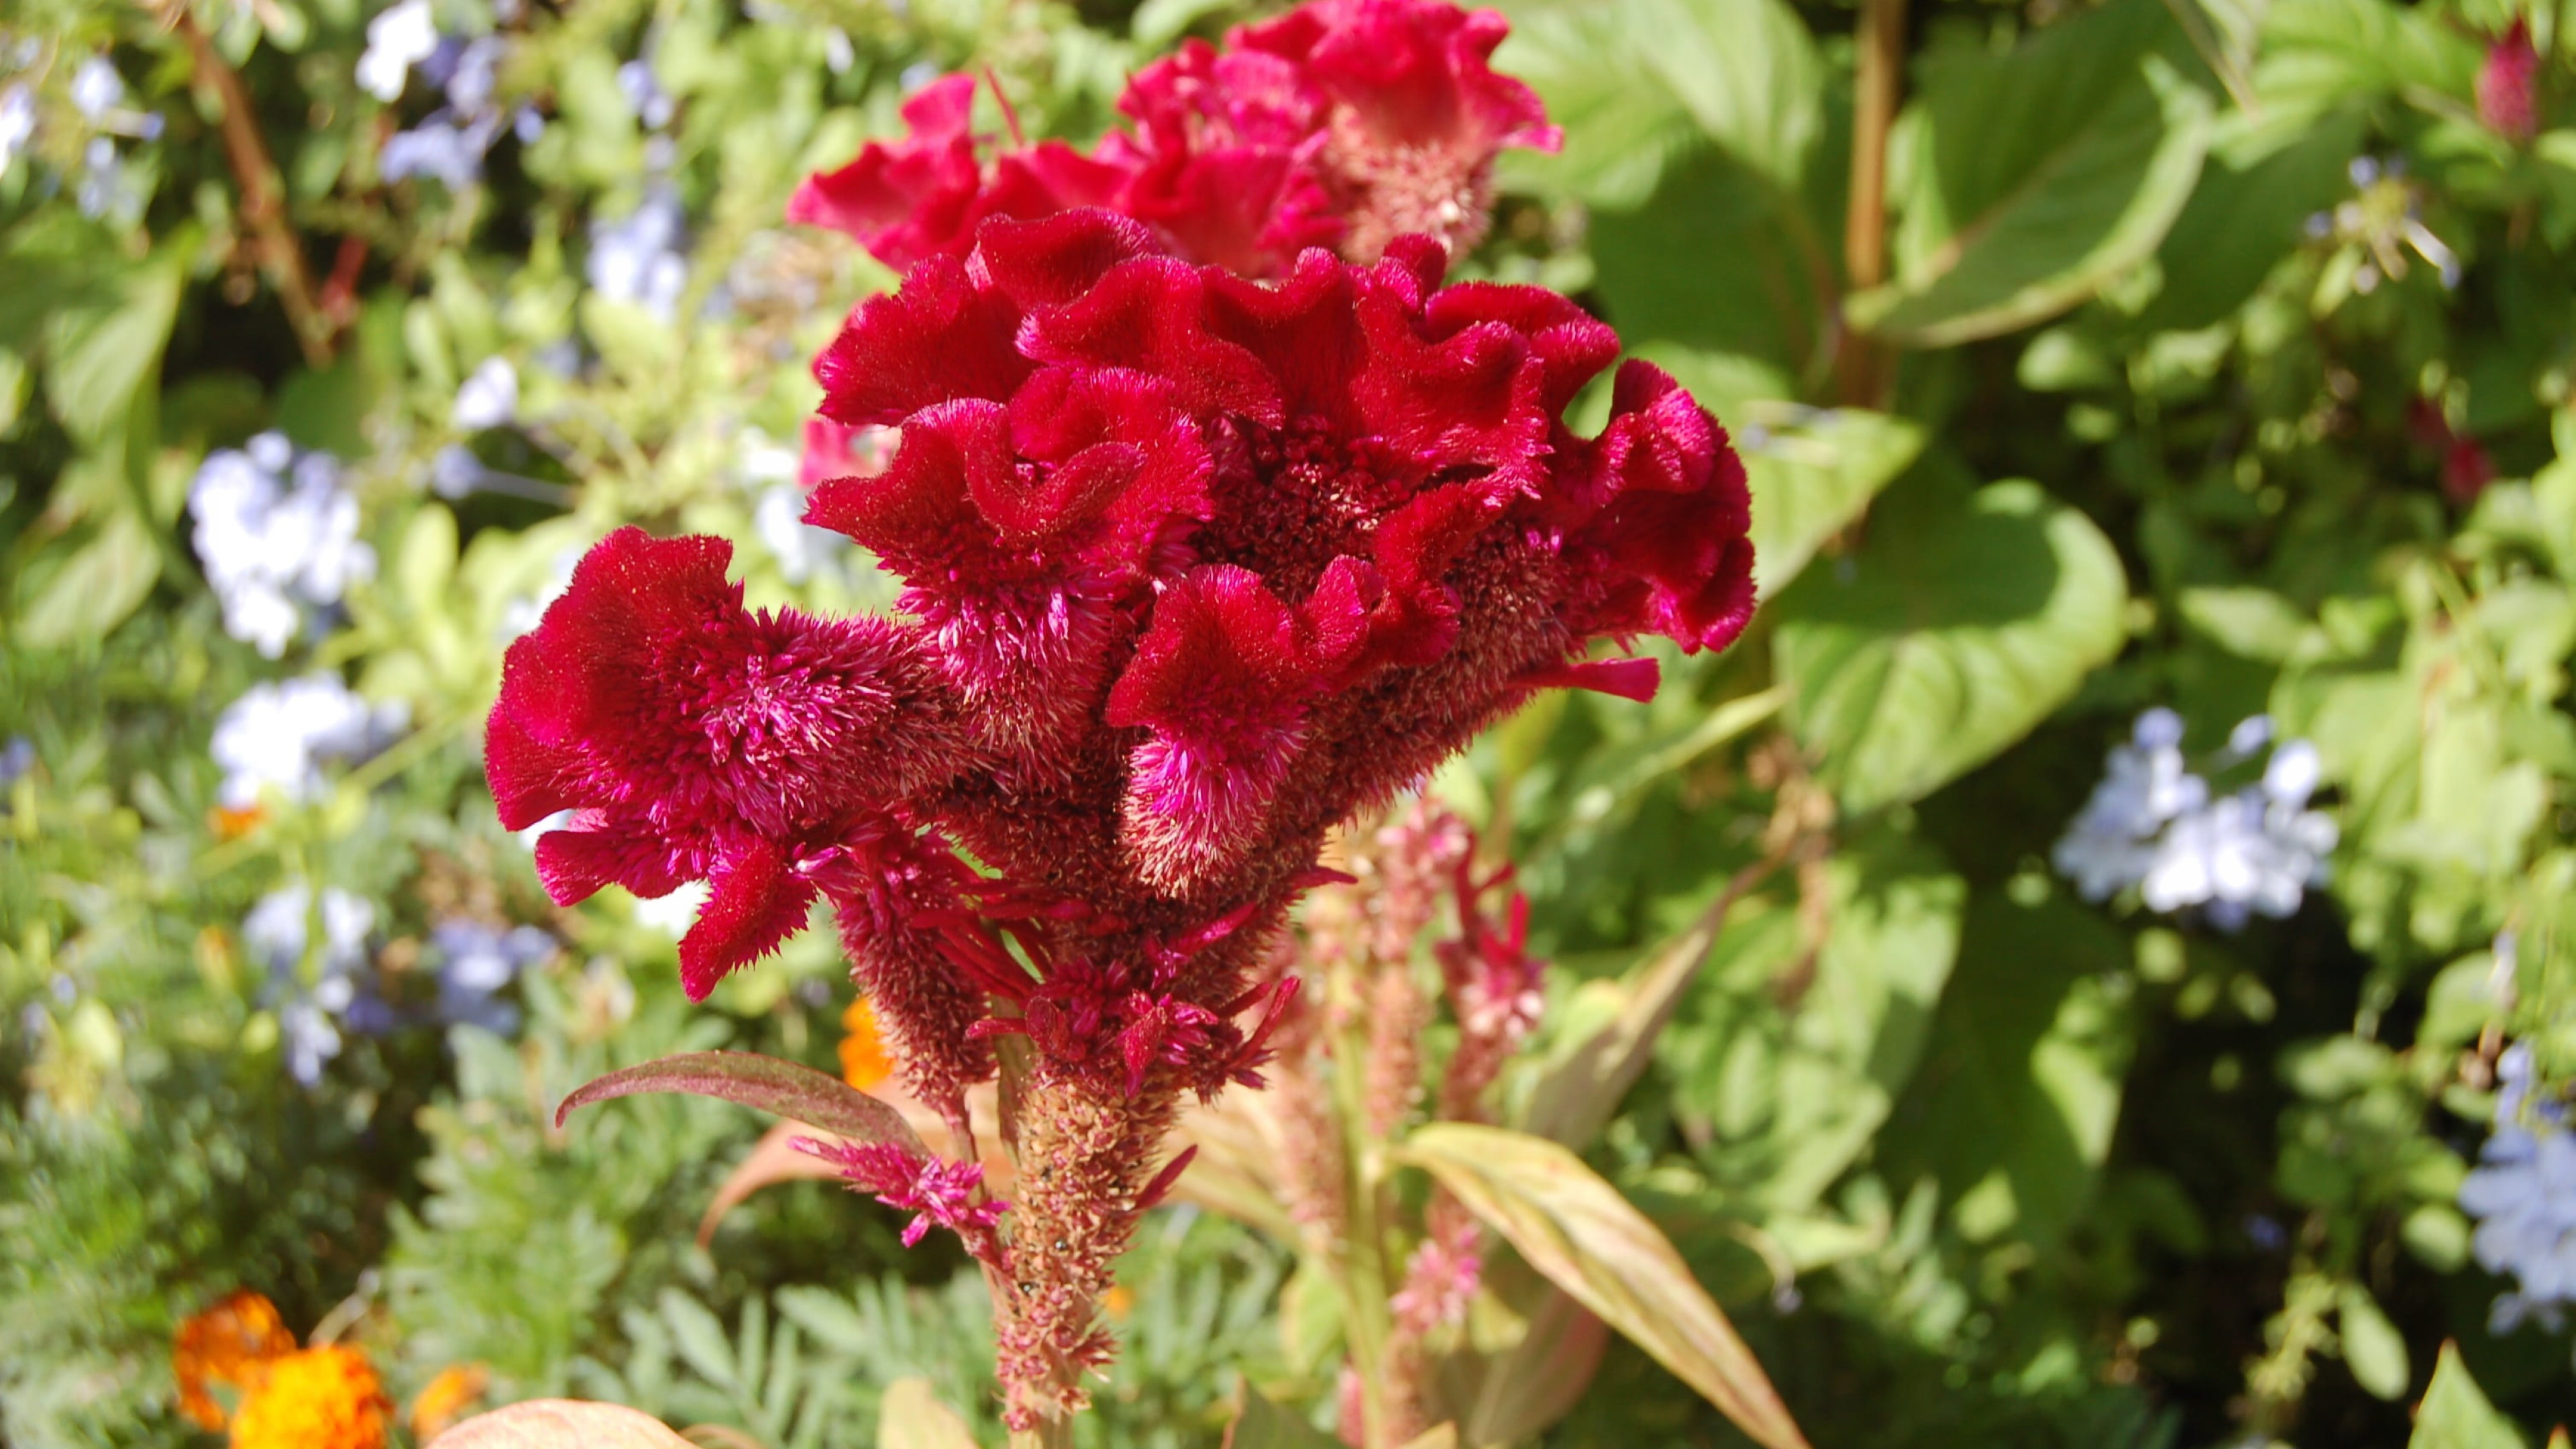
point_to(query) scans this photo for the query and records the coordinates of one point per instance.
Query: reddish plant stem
(263, 198)
(1865, 368)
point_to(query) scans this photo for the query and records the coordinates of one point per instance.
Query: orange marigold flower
(447, 1397)
(225, 1345)
(321, 1398)
(232, 824)
(864, 1063)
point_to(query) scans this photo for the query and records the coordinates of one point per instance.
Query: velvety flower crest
(697, 740)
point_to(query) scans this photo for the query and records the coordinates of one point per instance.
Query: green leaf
(1812, 473)
(1789, 1056)
(93, 590)
(2321, 55)
(1574, 1100)
(1581, 1235)
(2025, 180)
(1261, 1424)
(1962, 624)
(560, 1424)
(2455, 1415)
(98, 357)
(700, 1337)
(1769, 302)
(788, 1089)
(2260, 183)
(2372, 1347)
(425, 561)
(2250, 623)
(911, 1417)
(2019, 1091)
(1635, 83)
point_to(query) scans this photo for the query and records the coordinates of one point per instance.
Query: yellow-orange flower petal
(864, 1063)
(232, 824)
(322, 1398)
(225, 1345)
(447, 1398)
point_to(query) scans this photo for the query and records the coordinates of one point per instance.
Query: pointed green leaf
(1578, 1232)
(785, 1088)
(2455, 1414)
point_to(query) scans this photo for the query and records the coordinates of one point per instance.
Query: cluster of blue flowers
(2155, 825)
(325, 984)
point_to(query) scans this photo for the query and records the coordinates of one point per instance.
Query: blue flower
(2523, 1195)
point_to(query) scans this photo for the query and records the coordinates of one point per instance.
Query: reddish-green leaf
(1578, 1232)
(784, 1088)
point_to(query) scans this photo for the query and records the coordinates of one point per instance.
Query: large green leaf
(1635, 82)
(1581, 1235)
(1962, 623)
(2025, 180)
(2019, 1091)
(2456, 1415)
(1788, 1056)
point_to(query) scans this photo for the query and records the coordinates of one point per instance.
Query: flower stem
(1864, 364)
(263, 199)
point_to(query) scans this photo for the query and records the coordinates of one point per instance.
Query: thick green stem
(1366, 1324)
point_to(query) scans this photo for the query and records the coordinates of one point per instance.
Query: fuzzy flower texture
(1196, 566)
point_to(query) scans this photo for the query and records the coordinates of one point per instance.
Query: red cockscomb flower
(1194, 567)
(1344, 124)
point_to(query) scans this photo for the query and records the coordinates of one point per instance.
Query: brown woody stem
(263, 197)
(1864, 368)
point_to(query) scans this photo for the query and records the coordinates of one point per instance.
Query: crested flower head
(1256, 555)
(1195, 567)
(1343, 124)
(701, 741)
